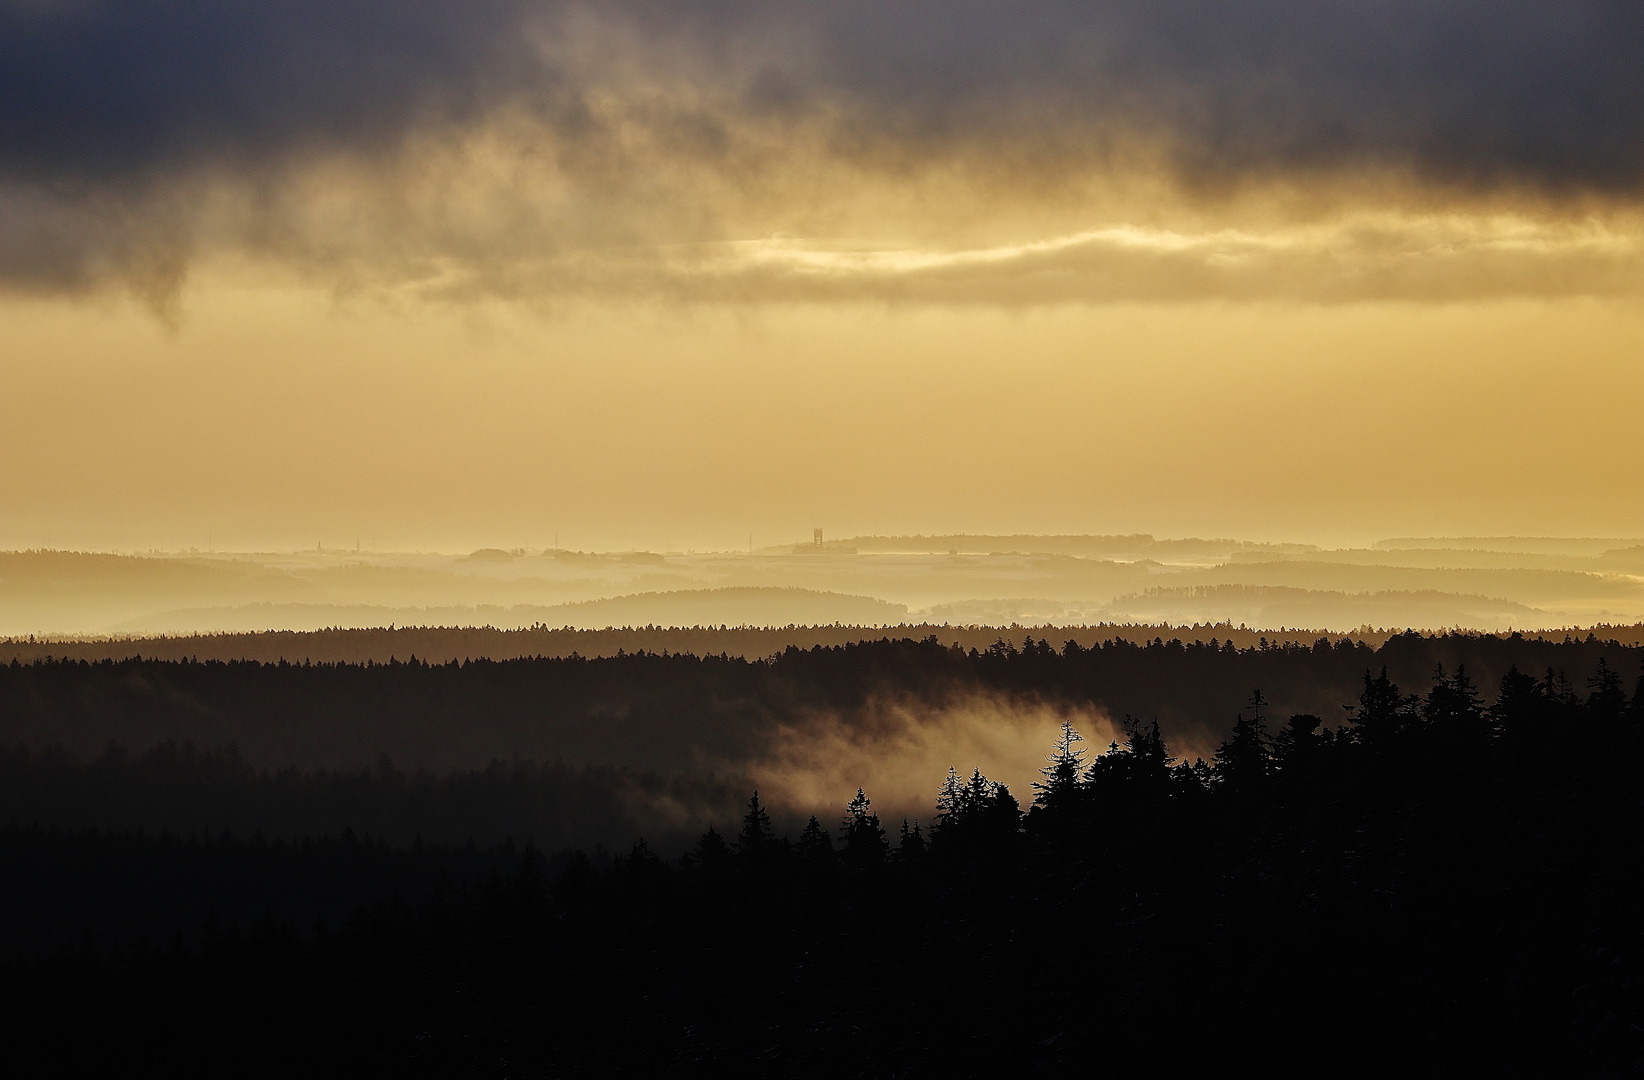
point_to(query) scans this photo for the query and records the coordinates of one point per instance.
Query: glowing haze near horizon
(647, 274)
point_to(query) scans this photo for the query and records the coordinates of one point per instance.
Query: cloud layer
(959, 151)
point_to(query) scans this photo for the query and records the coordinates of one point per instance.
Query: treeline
(1432, 885)
(440, 644)
(443, 643)
(664, 712)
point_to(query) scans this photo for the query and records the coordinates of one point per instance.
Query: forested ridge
(469, 713)
(1442, 878)
(439, 644)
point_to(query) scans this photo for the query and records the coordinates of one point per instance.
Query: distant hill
(1535, 545)
(737, 606)
(1287, 606)
(1133, 546)
(991, 580)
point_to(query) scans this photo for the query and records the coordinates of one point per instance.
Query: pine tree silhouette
(1561, 698)
(1064, 770)
(815, 846)
(757, 839)
(1454, 710)
(1520, 704)
(1606, 697)
(910, 847)
(973, 797)
(1242, 761)
(711, 852)
(1296, 744)
(864, 836)
(949, 801)
(1380, 714)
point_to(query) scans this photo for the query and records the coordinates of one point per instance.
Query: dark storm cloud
(104, 90)
(1543, 92)
(1547, 91)
(113, 114)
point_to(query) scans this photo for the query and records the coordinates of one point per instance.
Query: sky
(630, 273)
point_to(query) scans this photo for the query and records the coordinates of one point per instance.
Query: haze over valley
(1485, 583)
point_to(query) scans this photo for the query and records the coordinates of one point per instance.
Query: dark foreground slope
(1438, 888)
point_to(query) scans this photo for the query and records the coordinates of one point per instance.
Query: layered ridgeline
(1442, 879)
(1478, 583)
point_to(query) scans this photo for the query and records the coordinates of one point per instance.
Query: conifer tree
(711, 852)
(815, 845)
(910, 847)
(1453, 705)
(1063, 770)
(864, 836)
(1560, 696)
(756, 837)
(1380, 714)
(1519, 703)
(642, 864)
(1003, 813)
(1243, 759)
(973, 797)
(1606, 698)
(1297, 742)
(1149, 758)
(949, 801)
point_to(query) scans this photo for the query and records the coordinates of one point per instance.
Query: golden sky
(639, 274)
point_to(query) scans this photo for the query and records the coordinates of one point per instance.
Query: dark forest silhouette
(442, 643)
(644, 709)
(1442, 878)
